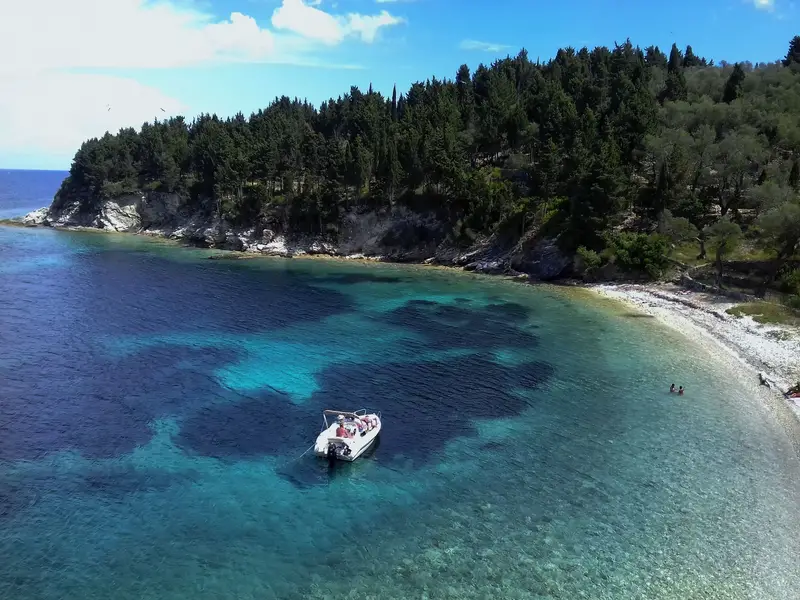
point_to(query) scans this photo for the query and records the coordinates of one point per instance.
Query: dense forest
(620, 154)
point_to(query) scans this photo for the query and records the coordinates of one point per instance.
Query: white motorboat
(348, 434)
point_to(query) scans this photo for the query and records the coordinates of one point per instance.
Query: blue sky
(119, 63)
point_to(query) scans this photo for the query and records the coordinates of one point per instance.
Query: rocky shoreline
(401, 236)
(406, 237)
(770, 353)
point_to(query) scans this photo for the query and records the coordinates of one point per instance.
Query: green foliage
(793, 55)
(588, 142)
(734, 85)
(780, 229)
(722, 238)
(677, 229)
(639, 252)
(790, 282)
(794, 176)
(589, 259)
(765, 312)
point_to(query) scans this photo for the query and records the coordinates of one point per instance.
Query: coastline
(769, 350)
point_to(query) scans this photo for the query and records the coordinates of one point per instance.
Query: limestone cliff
(399, 236)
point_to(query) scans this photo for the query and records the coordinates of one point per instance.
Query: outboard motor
(331, 452)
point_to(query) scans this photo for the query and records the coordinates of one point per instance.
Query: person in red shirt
(341, 430)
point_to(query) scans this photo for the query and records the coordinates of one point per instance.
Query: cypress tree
(794, 175)
(733, 87)
(676, 82)
(793, 55)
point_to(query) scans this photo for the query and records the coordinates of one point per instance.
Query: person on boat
(341, 430)
(672, 388)
(680, 391)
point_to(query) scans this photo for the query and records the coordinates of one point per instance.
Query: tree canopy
(583, 144)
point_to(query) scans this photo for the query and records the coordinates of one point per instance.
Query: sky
(71, 70)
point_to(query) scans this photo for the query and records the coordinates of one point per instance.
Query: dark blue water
(24, 191)
(154, 406)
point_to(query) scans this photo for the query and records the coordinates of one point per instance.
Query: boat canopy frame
(335, 413)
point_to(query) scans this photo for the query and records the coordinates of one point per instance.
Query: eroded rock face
(121, 214)
(155, 211)
(36, 217)
(542, 260)
(71, 214)
(400, 235)
(492, 267)
(233, 242)
(158, 209)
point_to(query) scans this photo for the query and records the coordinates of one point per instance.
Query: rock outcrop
(37, 217)
(399, 236)
(542, 260)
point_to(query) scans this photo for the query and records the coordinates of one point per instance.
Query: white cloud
(55, 113)
(47, 108)
(51, 34)
(483, 46)
(764, 4)
(310, 22)
(367, 26)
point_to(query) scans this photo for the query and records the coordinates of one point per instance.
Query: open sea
(155, 406)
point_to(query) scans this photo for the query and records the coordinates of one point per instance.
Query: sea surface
(24, 191)
(155, 407)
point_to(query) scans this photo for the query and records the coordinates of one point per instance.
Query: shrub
(790, 282)
(589, 259)
(639, 252)
(677, 229)
(115, 189)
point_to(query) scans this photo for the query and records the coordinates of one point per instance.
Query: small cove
(154, 403)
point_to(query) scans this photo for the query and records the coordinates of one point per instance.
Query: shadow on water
(102, 406)
(356, 278)
(448, 326)
(430, 403)
(87, 409)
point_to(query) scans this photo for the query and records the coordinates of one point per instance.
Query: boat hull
(347, 449)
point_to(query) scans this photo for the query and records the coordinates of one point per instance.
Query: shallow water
(154, 403)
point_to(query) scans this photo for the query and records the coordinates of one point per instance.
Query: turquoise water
(154, 406)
